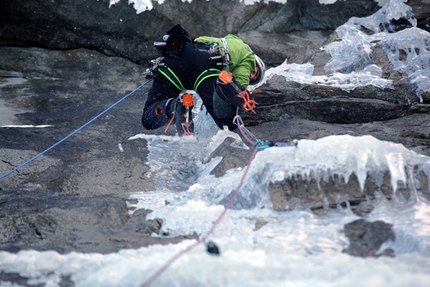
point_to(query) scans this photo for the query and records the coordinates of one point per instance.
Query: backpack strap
(204, 75)
(171, 76)
(174, 79)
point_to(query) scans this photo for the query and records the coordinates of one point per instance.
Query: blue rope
(76, 131)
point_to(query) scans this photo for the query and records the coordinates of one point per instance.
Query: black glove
(229, 90)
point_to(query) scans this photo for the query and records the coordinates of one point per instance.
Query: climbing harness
(209, 73)
(159, 66)
(184, 116)
(76, 131)
(171, 76)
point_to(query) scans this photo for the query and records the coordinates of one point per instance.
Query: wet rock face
(366, 238)
(119, 30)
(232, 157)
(41, 220)
(338, 192)
(47, 206)
(288, 100)
(68, 88)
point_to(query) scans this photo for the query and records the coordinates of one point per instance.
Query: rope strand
(163, 268)
(76, 131)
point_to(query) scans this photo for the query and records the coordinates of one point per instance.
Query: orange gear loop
(248, 103)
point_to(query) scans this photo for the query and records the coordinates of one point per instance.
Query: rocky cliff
(63, 61)
(120, 31)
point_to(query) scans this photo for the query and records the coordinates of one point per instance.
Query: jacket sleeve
(155, 111)
(242, 59)
(243, 70)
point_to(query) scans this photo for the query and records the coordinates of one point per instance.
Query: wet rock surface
(119, 30)
(44, 220)
(74, 197)
(366, 238)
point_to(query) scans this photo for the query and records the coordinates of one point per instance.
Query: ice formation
(320, 159)
(302, 73)
(415, 44)
(341, 155)
(295, 248)
(351, 63)
(146, 5)
(352, 53)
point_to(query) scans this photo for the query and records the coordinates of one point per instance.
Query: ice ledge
(332, 170)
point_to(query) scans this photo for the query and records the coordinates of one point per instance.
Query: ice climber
(218, 69)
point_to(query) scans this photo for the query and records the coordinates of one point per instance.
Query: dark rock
(280, 100)
(72, 198)
(232, 157)
(412, 131)
(120, 31)
(321, 17)
(23, 281)
(362, 208)
(42, 220)
(319, 194)
(212, 248)
(420, 8)
(296, 46)
(366, 238)
(259, 224)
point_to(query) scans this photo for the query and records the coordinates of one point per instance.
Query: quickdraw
(254, 141)
(156, 63)
(187, 101)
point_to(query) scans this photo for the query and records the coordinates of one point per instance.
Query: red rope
(163, 268)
